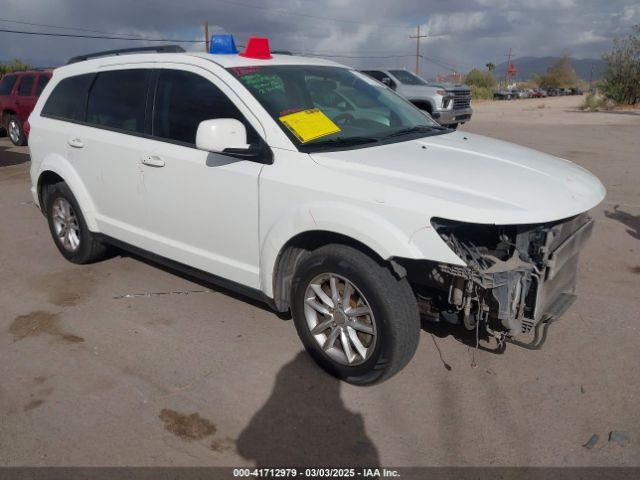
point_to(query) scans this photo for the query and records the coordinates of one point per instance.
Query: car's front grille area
(461, 99)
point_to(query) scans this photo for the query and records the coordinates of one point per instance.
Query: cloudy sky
(462, 33)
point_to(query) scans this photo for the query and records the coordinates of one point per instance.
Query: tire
(87, 248)
(393, 327)
(15, 131)
(453, 126)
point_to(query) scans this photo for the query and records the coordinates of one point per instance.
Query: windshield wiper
(415, 129)
(343, 141)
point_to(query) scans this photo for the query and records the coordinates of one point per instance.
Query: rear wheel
(358, 321)
(68, 227)
(15, 131)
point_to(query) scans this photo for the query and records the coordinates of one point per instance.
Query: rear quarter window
(7, 83)
(42, 82)
(68, 98)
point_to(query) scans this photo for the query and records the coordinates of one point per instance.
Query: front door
(202, 207)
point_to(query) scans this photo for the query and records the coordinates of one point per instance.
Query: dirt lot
(89, 376)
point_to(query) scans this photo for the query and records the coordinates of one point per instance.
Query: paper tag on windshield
(310, 124)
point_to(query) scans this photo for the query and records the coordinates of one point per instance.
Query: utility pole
(206, 36)
(418, 37)
(590, 77)
(506, 72)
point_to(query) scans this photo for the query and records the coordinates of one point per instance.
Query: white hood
(466, 177)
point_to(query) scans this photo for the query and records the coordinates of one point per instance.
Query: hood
(466, 177)
(417, 90)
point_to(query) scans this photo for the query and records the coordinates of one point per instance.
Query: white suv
(358, 216)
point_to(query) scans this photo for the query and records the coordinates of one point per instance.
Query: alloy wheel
(340, 319)
(14, 131)
(65, 224)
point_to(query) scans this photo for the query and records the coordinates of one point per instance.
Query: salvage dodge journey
(314, 188)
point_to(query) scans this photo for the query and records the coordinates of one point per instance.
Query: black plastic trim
(189, 271)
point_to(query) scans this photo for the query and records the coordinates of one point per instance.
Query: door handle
(153, 161)
(75, 143)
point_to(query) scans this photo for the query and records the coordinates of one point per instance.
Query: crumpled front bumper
(536, 282)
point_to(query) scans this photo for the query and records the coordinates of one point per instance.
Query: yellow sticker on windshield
(310, 124)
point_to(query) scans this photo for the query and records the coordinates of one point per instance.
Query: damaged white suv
(310, 186)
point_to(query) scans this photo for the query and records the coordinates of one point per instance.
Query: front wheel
(356, 319)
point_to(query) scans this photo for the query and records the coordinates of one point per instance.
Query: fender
(360, 224)
(415, 100)
(59, 165)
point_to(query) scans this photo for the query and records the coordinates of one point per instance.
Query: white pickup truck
(448, 104)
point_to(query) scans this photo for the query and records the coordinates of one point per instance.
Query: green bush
(481, 93)
(13, 66)
(594, 102)
(480, 78)
(621, 79)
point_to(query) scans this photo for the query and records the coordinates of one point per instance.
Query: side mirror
(389, 83)
(220, 134)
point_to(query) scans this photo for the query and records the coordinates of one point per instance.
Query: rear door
(106, 147)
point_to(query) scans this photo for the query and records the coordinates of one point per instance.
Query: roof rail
(124, 51)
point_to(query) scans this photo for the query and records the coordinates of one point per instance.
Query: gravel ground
(90, 377)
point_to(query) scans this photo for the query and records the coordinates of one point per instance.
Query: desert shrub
(481, 93)
(595, 101)
(621, 79)
(480, 78)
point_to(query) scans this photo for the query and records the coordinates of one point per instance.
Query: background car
(19, 92)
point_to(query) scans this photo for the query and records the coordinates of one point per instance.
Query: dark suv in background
(19, 92)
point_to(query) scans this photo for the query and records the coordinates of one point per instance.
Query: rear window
(42, 82)
(118, 100)
(7, 83)
(26, 86)
(68, 99)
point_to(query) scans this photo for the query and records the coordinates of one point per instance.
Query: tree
(559, 74)
(621, 79)
(481, 82)
(479, 78)
(13, 66)
(490, 66)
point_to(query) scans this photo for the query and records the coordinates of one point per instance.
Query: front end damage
(516, 278)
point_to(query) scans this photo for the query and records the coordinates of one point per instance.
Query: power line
(70, 35)
(55, 26)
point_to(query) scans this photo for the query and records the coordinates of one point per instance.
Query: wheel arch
(312, 226)
(56, 169)
(425, 105)
(296, 249)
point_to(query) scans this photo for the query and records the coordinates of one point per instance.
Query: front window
(322, 107)
(407, 78)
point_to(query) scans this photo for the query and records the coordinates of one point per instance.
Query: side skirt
(190, 272)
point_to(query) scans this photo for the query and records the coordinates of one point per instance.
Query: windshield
(407, 78)
(332, 107)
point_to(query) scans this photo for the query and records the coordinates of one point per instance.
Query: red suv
(19, 92)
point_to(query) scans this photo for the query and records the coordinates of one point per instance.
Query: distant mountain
(527, 66)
